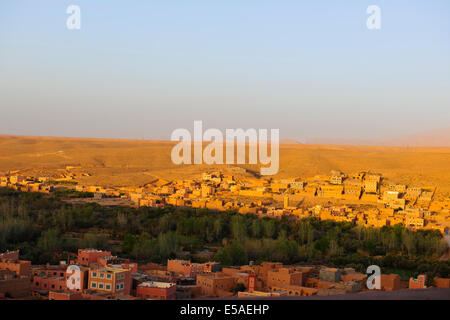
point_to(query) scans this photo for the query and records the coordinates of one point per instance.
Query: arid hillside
(135, 162)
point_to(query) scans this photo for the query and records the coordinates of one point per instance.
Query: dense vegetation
(47, 229)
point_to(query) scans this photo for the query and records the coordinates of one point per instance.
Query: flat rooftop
(156, 284)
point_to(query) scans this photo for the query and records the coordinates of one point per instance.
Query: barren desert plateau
(136, 162)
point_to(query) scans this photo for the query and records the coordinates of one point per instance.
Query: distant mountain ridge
(433, 138)
(290, 141)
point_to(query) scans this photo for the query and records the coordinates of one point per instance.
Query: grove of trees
(47, 229)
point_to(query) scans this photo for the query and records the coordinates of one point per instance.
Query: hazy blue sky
(140, 69)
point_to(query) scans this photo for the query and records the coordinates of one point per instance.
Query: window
(100, 285)
(94, 274)
(121, 286)
(93, 284)
(108, 276)
(117, 286)
(102, 275)
(108, 287)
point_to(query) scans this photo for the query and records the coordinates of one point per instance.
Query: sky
(141, 69)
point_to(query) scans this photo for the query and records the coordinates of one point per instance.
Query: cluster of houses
(26, 183)
(363, 198)
(98, 275)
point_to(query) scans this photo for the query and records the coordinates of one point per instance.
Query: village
(92, 274)
(363, 198)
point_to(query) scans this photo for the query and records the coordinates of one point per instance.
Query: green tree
(321, 245)
(237, 253)
(224, 257)
(238, 227)
(49, 241)
(169, 245)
